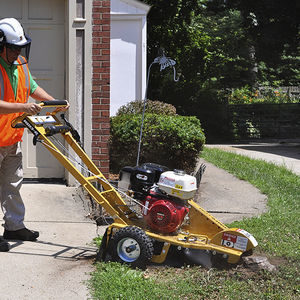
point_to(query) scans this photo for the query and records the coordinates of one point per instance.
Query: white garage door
(43, 21)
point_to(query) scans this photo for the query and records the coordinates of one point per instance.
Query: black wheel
(132, 246)
(101, 254)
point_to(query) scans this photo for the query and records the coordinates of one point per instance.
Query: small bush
(152, 107)
(173, 141)
(246, 95)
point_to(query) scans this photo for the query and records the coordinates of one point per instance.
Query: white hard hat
(13, 32)
(12, 36)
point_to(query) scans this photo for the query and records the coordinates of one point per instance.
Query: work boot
(4, 245)
(23, 234)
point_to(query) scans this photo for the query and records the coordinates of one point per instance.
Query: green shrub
(246, 95)
(152, 107)
(173, 141)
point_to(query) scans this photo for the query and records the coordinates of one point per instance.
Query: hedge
(172, 141)
(152, 107)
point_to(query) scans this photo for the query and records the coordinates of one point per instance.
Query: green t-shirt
(12, 74)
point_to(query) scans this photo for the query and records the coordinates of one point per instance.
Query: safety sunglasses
(14, 48)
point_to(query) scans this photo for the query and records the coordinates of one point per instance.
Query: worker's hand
(32, 108)
(62, 108)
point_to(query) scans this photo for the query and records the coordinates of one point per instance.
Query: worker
(16, 85)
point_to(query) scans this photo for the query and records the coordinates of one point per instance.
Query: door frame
(79, 74)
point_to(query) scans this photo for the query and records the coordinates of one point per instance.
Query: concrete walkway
(59, 263)
(227, 198)
(286, 154)
(230, 199)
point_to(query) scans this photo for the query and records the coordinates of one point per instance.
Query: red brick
(99, 144)
(96, 51)
(101, 9)
(100, 83)
(95, 113)
(106, 64)
(101, 157)
(106, 3)
(96, 40)
(105, 88)
(106, 40)
(96, 15)
(97, 28)
(105, 51)
(100, 46)
(105, 101)
(95, 151)
(96, 126)
(97, 22)
(95, 138)
(104, 138)
(105, 34)
(105, 28)
(105, 94)
(96, 64)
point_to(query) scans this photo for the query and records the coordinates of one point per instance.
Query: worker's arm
(29, 108)
(11, 107)
(41, 95)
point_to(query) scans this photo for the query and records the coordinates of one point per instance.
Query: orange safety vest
(9, 135)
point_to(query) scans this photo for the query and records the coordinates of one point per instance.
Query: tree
(220, 44)
(169, 28)
(210, 50)
(273, 28)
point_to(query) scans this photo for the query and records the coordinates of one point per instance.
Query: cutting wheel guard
(202, 231)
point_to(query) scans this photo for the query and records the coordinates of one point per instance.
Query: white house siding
(128, 52)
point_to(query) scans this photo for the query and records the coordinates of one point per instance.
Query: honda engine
(163, 194)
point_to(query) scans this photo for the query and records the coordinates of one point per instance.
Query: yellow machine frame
(203, 231)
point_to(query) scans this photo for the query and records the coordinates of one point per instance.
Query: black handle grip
(51, 130)
(19, 125)
(55, 102)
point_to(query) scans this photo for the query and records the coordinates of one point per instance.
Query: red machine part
(164, 215)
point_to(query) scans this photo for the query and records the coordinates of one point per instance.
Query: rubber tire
(143, 240)
(101, 254)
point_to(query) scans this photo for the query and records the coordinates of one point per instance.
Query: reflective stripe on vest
(26, 72)
(9, 135)
(1, 87)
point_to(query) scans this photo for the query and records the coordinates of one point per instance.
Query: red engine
(163, 211)
(163, 215)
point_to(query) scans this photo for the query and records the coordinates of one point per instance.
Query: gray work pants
(11, 177)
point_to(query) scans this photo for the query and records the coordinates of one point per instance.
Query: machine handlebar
(54, 103)
(17, 122)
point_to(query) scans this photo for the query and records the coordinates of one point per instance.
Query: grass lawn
(277, 233)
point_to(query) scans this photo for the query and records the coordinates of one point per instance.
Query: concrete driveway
(59, 263)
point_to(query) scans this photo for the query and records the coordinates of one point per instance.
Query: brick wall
(101, 84)
(264, 121)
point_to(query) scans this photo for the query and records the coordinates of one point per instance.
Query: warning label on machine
(234, 241)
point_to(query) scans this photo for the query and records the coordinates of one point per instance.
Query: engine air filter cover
(178, 184)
